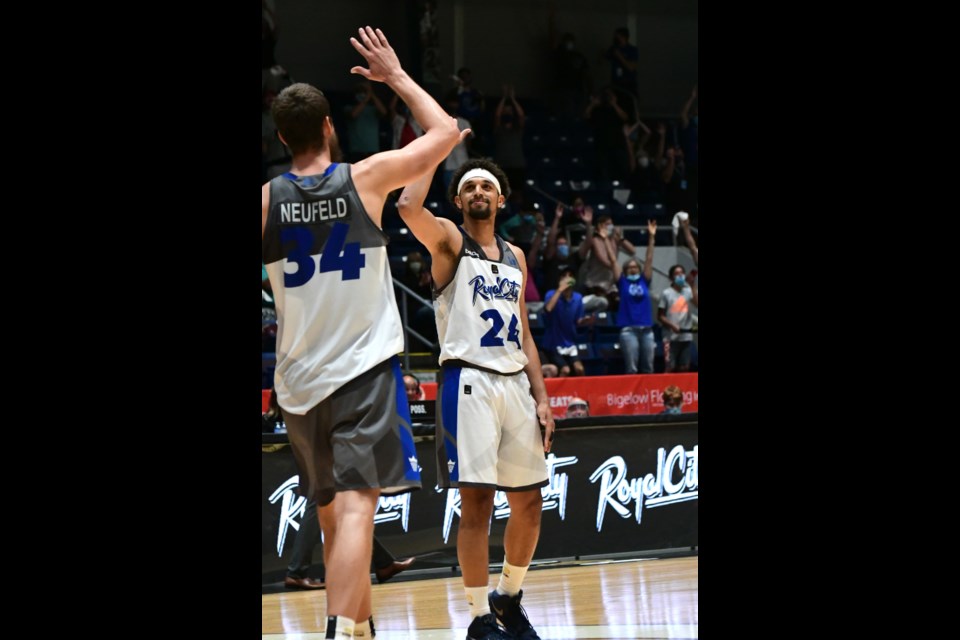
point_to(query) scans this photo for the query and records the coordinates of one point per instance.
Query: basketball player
(338, 379)
(488, 425)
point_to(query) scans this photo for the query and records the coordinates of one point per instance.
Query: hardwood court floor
(617, 600)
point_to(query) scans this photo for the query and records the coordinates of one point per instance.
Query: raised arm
(389, 170)
(651, 241)
(552, 234)
(534, 253)
(621, 242)
(588, 223)
(439, 235)
(517, 109)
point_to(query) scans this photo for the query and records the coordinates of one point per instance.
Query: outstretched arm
(651, 240)
(439, 235)
(384, 172)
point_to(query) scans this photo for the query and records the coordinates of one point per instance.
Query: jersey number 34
(348, 264)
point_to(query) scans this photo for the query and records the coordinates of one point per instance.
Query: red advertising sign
(607, 395)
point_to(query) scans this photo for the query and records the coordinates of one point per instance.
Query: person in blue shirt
(635, 313)
(563, 313)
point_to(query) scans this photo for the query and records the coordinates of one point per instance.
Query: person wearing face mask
(363, 123)
(559, 256)
(521, 228)
(606, 243)
(563, 313)
(635, 314)
(643, 173)
(676, 317)
(672, 400)
(578, 408)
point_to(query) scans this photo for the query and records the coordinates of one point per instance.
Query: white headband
(479, 173)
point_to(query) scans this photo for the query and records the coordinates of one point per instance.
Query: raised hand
(378, 53)
(652, 227)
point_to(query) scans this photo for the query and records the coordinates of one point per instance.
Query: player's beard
(480, 213)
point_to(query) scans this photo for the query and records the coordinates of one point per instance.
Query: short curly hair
(672, 396)
(479, 163)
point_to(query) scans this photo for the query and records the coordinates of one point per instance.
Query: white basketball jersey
(478, 311)
(337, 313)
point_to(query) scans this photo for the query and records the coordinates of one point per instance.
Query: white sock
(362, 629)
(345, 627)
(511, 579)
(477, 599)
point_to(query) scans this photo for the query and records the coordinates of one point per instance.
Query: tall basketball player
(338, 380)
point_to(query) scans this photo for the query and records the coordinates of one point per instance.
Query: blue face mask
(680, 280)
(529, 219)
(634, 277)
(563, 250)
(671, 410)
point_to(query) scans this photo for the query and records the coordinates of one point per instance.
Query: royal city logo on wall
(554, 495)
(390, 508)
(293, 506)
(676, 479)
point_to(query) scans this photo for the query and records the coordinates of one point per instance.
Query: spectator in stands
(522, 228)
(672, 399)
(677, 194)
(572, 79)
(607, 117)
(412, 384)
(635, 314)
(563, 313)
(677, 318)
(472, 105)
(384, 565)
(578, 408)
(644, 175)
(623, 58)
(597, 272)
(363, 122)
(535, 265)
